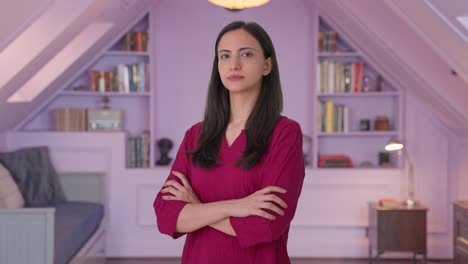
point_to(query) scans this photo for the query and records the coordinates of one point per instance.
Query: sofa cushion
(75, 223)
(35, 175)
(10, 196)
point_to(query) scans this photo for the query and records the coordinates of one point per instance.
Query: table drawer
(462, 244)
(461, 251)
(461, 215)
(460, 259)
(461, 232)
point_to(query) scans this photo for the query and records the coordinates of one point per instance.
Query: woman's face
(241, 63)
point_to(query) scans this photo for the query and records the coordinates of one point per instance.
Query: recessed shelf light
(463, 20)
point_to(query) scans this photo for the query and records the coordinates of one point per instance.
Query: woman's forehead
(235, 39)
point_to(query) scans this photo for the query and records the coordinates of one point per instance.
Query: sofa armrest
(27, 235)
(28, 210)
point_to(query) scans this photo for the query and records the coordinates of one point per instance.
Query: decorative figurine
(364, 124)
(381, 123)
(165, 146)
(384, 160)
(366, 84)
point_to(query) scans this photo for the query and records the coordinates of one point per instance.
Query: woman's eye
(247, 54)
(224, 56)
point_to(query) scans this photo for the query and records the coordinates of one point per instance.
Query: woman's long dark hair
(262, 119)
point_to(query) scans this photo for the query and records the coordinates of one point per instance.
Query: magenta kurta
(258, 240)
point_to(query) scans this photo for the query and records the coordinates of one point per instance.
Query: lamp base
(410, 203)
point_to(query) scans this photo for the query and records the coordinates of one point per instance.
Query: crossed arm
(259, 217)
(196, 215)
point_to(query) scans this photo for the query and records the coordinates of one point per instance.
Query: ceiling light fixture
(238, 4)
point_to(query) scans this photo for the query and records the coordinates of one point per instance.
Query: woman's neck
(241, 107)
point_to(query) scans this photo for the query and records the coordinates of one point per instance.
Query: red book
(389, 202)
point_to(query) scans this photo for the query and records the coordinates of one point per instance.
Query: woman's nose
(235, 63)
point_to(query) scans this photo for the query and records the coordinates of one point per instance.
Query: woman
(238, 175)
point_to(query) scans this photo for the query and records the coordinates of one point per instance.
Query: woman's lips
(235, 77)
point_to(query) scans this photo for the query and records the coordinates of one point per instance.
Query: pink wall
(459, 175)
(184, 36)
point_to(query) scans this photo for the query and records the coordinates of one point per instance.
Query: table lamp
(396, 145)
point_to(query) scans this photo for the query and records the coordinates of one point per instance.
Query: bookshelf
(121, 76)
(346, 88)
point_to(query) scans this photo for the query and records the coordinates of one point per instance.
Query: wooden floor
(293, 261)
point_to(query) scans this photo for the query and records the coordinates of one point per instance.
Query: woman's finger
(182, 178)
(272, 207)
(169, 197)
(175, 184)
(276, 199)
(272, 188)
(264, 214)
(171, 190)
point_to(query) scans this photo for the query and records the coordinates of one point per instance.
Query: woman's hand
(256, 203)
(179, 192)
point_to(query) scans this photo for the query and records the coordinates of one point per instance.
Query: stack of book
(70, 119)
(327, 41)
(340, 77)
(138, 150)
(134, 41)
(332, 117)
(126, 78)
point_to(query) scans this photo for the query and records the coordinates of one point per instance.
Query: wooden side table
(460, 232)
(399, 228)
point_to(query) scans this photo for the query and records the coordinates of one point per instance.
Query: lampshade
(394, 145)
(238, 4)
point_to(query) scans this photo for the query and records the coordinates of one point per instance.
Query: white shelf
(358, 134)
(126, 53)
(337, 169)
(338, 54)
(88, 93)
(360, 94)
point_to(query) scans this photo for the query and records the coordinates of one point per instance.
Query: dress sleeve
(167, 211)
(284, 168)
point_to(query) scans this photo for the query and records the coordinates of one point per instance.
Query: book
(389, 202)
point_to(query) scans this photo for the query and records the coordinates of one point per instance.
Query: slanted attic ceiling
(120, 13)
(19, 14)
(395, 46)
(395, 37)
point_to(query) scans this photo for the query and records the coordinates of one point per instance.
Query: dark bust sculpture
(164, 145)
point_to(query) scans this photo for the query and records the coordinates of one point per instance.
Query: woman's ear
(267, 68)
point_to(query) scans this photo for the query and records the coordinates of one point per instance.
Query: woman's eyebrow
(224, 50)
(246, 48)
(240, 49)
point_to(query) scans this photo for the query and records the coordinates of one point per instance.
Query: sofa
(38, 224)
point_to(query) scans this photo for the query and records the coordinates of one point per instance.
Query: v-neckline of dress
(234, 142)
